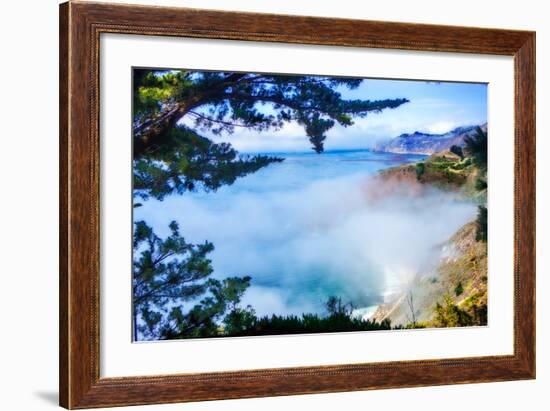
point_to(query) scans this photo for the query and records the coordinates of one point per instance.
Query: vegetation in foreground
(175, 114)
(170, 269)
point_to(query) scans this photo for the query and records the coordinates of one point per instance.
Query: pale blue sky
(434, 107)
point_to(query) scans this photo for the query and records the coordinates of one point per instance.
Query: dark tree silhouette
(171, 157)
(339, 317)
(457, 150)
(448, 314)
(222, 101)
(412, 309)
(476, 147)
(174, 296)
(187, 162)
(481, 224)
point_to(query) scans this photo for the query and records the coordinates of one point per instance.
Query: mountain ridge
(427, 143)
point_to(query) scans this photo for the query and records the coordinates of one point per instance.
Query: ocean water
(306, 229)
(298, 170)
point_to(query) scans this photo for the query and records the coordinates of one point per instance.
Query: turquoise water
(301, 169)
(305, 229)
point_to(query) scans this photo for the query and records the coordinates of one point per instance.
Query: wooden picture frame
(80, 27)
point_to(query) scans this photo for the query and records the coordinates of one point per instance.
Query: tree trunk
(149, 134)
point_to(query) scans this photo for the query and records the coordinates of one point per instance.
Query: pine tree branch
(213, 120)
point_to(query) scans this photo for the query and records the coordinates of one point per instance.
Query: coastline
(457, 279)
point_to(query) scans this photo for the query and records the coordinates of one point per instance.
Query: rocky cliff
(425, 143)
(452, 293)
(452, 288)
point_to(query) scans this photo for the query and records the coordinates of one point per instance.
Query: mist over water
(305, 229)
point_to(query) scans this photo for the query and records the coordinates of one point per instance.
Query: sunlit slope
(452, 291)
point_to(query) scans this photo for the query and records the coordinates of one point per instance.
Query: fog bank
(307, 230)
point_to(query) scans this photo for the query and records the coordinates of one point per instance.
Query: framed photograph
(259, 205)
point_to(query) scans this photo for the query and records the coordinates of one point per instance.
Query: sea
(305, 230)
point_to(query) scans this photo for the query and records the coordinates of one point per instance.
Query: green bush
(462, 164)
(457, 150)
(481, 223)
(459, 289)
(476, 147)
(339, 318)
(480, 314)
(481, 184)
(420, 169)
(448, 314)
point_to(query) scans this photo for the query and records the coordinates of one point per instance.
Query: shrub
(459, 289)
(461, 165)
(480, 184)
(476, 147)
(481, 223)
(480, 314)
(448, 314)
(457, 150)
(244, 322)
(420, 169)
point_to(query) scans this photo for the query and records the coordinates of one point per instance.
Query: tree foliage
(481, 224)
(480, 184)
(339, 317)
(175, 297)
(172, 108)
(174, 294)
(459, 289)
(420, 168)
(176, 115)
(457, 150)
(219, 102)
(448, 314)
(476, 147)
(187, 162)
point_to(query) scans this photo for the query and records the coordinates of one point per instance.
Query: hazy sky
(433, 107)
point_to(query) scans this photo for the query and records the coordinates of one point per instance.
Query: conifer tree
(174, 295)
(176, 115)
(173, 108)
